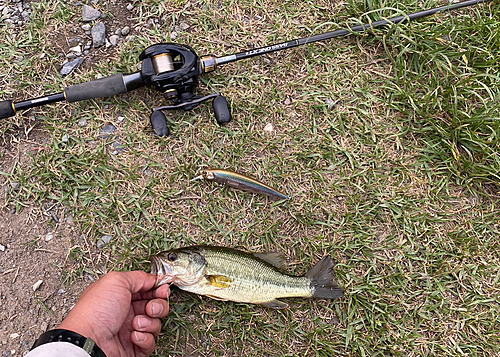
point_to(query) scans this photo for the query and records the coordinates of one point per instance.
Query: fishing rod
(173, 69)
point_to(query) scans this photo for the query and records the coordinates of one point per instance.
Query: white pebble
(269, 128)
(37, 285)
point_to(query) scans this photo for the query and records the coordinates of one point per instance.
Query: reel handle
(221, 110)
(159, 123)
(219, 103)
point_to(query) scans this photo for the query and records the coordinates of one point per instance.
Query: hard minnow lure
(240, 181)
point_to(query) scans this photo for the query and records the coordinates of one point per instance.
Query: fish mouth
(163, 271)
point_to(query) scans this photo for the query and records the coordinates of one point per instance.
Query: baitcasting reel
(174, 69)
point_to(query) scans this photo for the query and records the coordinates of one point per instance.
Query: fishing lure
(240, 181)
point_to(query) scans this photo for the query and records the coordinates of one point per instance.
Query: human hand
(121, 313)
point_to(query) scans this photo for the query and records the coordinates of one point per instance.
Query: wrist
(68, 336)
(80, 328)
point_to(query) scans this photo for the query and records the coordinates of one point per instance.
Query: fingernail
(143, 323)
(157, 308)
(139, 336)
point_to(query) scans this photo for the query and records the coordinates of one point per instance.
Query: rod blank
(344, 32)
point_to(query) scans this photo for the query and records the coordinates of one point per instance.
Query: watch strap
(60, 335)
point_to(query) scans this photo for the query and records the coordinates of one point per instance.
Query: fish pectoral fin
(216, 297)
(276, 259)
(219, 281)
(275, 304)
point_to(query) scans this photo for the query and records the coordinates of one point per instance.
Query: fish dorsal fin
(276, 259)
(275, 304)
(219, 281)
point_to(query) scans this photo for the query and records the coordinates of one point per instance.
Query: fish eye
(172, 257)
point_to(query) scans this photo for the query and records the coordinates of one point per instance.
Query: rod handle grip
(99, 88)
(7, 109)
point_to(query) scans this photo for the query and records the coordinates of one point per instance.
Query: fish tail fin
(323, 285)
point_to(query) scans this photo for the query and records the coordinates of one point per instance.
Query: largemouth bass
(229, 274)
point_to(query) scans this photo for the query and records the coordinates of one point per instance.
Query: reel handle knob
(159, 123)
(221, 110)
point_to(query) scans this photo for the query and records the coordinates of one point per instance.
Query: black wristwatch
(76, 339)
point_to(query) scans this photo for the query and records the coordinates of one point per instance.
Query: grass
(386, 141)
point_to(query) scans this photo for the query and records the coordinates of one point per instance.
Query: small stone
(330, 103)
(61, 291)
(118, 147)
(118, 32)
(82, 122)
(65, 138)
(184, 26)
(98, 34)
(69, 219)
(89, 13)
(120, 118)
(113, 39)
(130, 7)
(68, 67)
(49, 237)
(173, 35)
(103, 241)
(125, 31)
(288, 101)
(107, 131)
(2, 248)
(14, 335)
(77, 49)
(37, 285)
(86, 27)
(269, 128)
(15, 186)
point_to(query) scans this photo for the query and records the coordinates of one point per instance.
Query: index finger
(162, 292)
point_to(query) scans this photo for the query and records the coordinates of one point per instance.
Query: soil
(34, 249)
